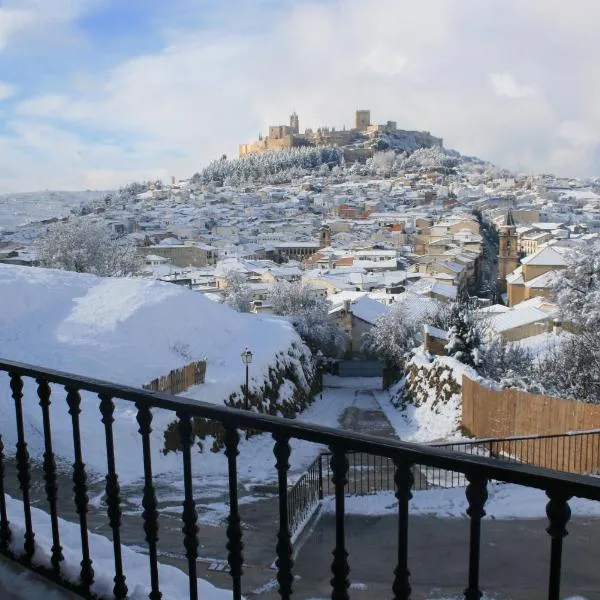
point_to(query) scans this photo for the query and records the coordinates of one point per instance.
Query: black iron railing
(573, 452)
(478, 470)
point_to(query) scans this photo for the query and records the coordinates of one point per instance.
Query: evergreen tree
(464, 334)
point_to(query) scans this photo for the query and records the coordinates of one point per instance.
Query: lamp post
(246, 359)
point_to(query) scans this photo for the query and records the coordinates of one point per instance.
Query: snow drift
(127, 331)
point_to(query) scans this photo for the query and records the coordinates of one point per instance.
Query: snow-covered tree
(464, 338)
(393, 336)
(87, 247)
(572, 369)
(506, 363)
(237, 292)
(309, 314)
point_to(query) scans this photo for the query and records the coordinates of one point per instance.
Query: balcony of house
(84, 533)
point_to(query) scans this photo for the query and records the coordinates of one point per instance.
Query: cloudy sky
(97, 93)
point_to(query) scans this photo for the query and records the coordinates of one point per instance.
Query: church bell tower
(508, 251)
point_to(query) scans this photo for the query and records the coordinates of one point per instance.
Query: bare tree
(83, 246)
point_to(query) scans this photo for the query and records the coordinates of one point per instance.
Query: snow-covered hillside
(126, 331)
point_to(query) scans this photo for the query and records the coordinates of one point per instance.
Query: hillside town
(367, 281)
(420, 226)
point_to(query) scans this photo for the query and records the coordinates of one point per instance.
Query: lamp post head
(246, 356)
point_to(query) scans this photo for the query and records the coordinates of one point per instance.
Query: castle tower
(362, 119)
(325, 236)
(294, 124)
(508, 252)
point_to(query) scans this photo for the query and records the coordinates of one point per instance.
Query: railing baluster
(284, 561)
(150, 514)
(234, 529)
(5, 533)
(404, 480)
(80, 488)
(559, 513)
(339, 566)
(113, 495)
(320, 482)
(189, 516)
(23, 466)
(477, 495)
(51, 487)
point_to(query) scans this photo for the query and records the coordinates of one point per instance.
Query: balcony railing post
(189, 516)
(23, 466)
(477, 495)
(284, 560)
(150, 514)
(113, 495)
(559, 513)
(235, 545)
(320, 477)
(5, 533)
(404, 481)
(339, 567)
(80, 488)
(50, 475)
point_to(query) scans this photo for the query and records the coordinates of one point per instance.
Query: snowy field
(20, 209)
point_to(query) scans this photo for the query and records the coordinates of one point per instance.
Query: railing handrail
(513, 438)
(490, 468)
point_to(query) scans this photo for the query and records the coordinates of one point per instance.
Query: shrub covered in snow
(394, 335)
(309, 314)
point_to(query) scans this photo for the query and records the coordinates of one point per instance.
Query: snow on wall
(127, 331)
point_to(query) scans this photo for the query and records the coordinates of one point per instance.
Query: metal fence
(478, 470)
(369, 473)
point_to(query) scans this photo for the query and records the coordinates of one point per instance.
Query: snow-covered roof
(517, 317)
(435, 332)
(368, 310)
(546, 256)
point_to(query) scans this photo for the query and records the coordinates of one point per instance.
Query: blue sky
(96, 93)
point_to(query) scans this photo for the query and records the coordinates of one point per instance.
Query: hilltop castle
(289, 136)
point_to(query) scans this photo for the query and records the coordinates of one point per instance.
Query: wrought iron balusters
(477, 495)
(5, 533)
(189, 516)
(80, 488)
(339, 567)
(150, 514)
(51, 487)
(284, 562)
(235, 545)
(559, 513)
(113, 495)
(23, 465)
(404, 480)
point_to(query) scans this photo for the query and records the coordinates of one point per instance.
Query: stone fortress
(359, 142)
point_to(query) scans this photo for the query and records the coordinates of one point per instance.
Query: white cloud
(6, 90)
(506, 85)
(12, 21)
(425, 65)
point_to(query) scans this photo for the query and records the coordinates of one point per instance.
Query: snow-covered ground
(174, 584)
(506, 501)
(126, 331)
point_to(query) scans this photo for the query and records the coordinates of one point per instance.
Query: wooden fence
(179, 380)
(496, 414)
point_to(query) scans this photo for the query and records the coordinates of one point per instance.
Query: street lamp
(246, 359)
